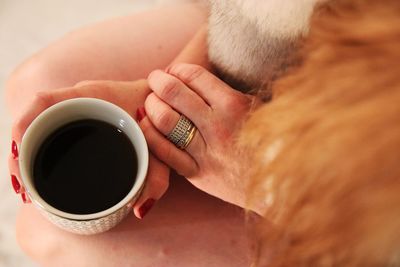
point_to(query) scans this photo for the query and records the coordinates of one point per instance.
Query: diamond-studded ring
(183, 133)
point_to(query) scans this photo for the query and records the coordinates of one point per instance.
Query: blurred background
(25, 27)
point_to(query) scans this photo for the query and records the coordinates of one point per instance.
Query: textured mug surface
(59, 115)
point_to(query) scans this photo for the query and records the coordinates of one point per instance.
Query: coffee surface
(84, 167)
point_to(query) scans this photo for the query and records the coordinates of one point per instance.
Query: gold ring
(183, 133)
(189, 138)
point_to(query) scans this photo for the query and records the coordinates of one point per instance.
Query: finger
(162, 116)
(106, 83)
(92, 82)
(41, 102)
(164, 150)
(16, 182)
(116, 92)
(164, 119)
(181, 98)
(157, 182)
(214, 91)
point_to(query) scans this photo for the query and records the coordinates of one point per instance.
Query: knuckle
(187, 72)
(188, 170)
(163, 120)
(170, 89)
(150, 101)
(236, 103)
(231, 103)
(42, 97)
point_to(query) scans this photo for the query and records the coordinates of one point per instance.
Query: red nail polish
(140, 114)
(15, 184)
(146, 206)
(14, 149)
(25, 198)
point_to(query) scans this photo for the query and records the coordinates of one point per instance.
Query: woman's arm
(196, 51)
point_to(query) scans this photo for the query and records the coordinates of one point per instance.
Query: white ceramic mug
(59, 115)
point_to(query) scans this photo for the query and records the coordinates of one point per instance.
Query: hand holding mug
(128, 95)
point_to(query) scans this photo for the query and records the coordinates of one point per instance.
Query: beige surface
(25, 27)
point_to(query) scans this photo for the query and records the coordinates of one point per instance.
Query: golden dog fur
(328, 145)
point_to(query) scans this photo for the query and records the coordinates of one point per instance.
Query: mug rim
(140, 176)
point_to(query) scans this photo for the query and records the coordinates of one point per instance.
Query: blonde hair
(328, 145)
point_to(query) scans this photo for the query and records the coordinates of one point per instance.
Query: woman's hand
(211, 161)
(127, 95)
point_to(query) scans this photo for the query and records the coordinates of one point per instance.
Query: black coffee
(85, 167)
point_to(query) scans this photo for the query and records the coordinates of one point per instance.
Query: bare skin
(122, 49)
(188, 227)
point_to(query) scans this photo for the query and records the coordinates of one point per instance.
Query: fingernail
(140, 114)
(25, 198)
(14, 149)
(146, 206)
(15, 184)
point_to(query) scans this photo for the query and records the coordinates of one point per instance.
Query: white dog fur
(252, 40)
